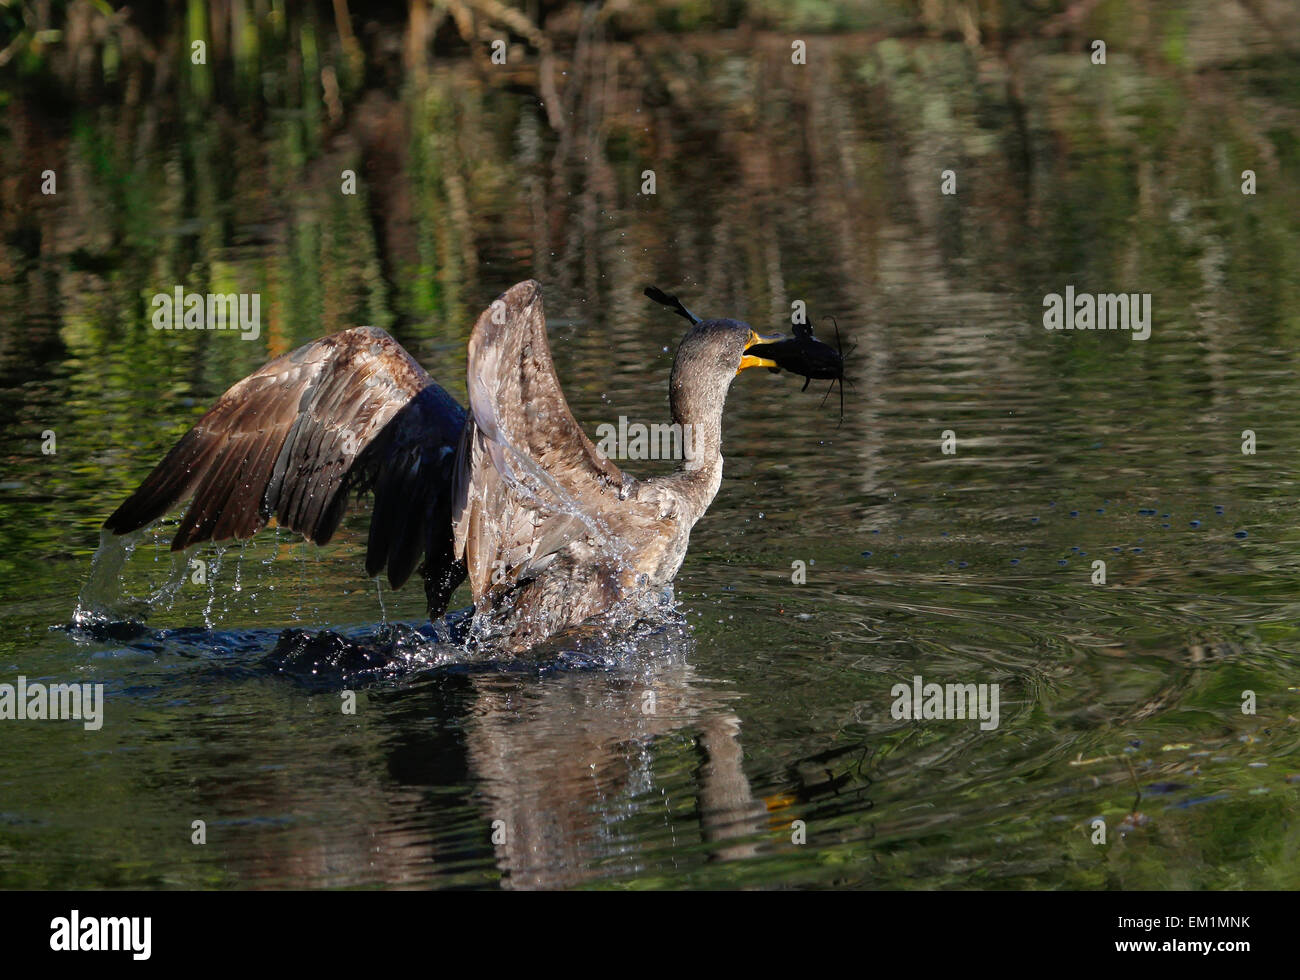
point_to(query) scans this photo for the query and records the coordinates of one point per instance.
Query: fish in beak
(801, 354)
(750, 359)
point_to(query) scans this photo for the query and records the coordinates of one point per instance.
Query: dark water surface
(771, 700)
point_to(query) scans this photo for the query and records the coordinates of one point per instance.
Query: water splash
(214, 569)
(646, 609)
(104, 598)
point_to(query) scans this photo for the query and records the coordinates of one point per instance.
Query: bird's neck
(699, 473)
(696, 399)
(696, 408)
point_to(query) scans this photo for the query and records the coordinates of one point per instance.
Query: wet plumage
(510, 494)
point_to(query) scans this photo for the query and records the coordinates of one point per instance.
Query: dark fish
(803, 354)
(672, 302)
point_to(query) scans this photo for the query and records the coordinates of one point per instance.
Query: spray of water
(104, 598)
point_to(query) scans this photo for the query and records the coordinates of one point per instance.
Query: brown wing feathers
(350, 412)
(529, 480)
(354, 412)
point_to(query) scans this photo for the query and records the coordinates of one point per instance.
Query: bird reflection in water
(563, 749)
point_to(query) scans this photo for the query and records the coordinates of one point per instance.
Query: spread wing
(350, 412)
(528, 479)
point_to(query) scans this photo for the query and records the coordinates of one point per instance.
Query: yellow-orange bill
(749, 360)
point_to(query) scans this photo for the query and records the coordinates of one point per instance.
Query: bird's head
(709, 357)
(714, 351)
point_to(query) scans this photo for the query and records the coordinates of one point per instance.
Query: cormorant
(511, 493)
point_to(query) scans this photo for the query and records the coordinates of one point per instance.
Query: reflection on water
(691, 753)
(544, 764)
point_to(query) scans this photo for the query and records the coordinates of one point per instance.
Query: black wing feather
(348, 413)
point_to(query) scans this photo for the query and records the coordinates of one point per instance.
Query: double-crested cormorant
(511, 494)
